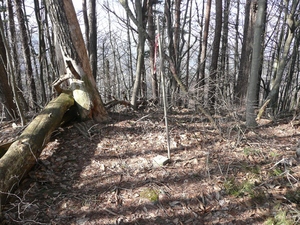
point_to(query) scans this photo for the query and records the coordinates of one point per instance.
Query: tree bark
(292, 23)
(42, 50)
(202, 62)
(215, 55)
(27, 53)
(92, 35)
(23, 153)
(9, 67)
(240, 89)
(72, 47)
(152, 47)
(140, 20)
(255, 65)
(6, 94)
(86, 23)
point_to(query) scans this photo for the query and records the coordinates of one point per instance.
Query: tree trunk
(173, 33)
(52, 65)
(14, 50)
(200, 20)
(27, 53)
(42, 50)
(23, 153)
(287, 103)
(240, 89)
(86, 23)
(292, 23)
(186, 101)
(152, 49)
(202, 62)
(255, 64)
(224, 79)
(138, 73)
(215, 55)
(6, 94)
(70, 41)
(140, 21)
(130, 60)
(9, 71)
(92, 50)
(236, 45)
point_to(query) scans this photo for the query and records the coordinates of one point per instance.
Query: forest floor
(104, 173)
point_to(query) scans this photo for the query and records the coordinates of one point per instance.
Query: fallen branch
(262, 109)
(117, 102)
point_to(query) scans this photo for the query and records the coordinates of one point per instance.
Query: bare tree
(140, 20)
(9, 85)
(15, 53)
(292, 24)
(6, 94)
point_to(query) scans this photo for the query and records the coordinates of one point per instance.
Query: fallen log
(4, 148)
(24, 152)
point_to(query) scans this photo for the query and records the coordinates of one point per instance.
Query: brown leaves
(104, 179)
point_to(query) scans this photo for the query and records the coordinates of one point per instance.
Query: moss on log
(23, 153)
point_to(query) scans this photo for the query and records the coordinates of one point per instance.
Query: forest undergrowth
(104, 173)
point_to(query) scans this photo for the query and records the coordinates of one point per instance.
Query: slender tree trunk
(52, 65)
(255, 64)
(138, 73)
(236, 46)
(202, 61)
(92, 48)
(292, 25)
(277, 34)
(27, 53)
(108, 94)
(240, 89)
(173, 33)
(141, 22)
(215, 54)
(199, 82)
(286, 96)
(130, 64)
(6, 94)
(86, 23)
(152, 47)
(90, 24)
(14, 49)
(186, 103)
(223, 75)
(42, 49)
(9, 71)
